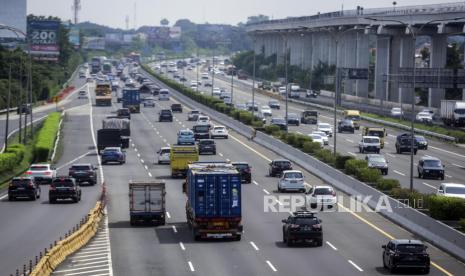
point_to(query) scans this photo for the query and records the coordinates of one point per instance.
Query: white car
(82, 94)
(282, 90)
(193, 86)
(424, 117)
(291, 180)
(216, 91)
(164, 155)
(203, 120)
(322, 196)
(323, 136)
(42, 173)
(266, 111)
(317, 138)
(219, 131)
(326, 128)
(369, 144)
(451, 190)
(396, 112)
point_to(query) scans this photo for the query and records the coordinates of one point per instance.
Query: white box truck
(147, 202)
(453, 112)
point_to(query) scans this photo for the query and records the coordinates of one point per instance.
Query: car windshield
(321, 133)
(456, 190)
(201, 128)
(420, 138)
(323, 191)
(306, 221)
(39, 168)
(20, 182)
(278, 121)
(63, 183)
(377, 133)
(411, 248)
(353, 117)
(324, 126)
(273, 102)
(396, 109)
(207, 142)
(433, 163)
(293, 175)
(282, 163)
(459, 111)
(370, 140)
(165, 112)
(218, 128)
(241, 166)
(195, 112)
(110, 151)
(315, 136)
(292, 115)
(80, 168)
(310, 113)
(378, 159)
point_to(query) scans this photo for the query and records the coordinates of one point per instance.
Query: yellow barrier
(71, 244)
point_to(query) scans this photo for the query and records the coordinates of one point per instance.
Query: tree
(257, 18)
(164, 22)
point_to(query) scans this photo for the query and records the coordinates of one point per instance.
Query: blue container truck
(213, 208)
(131, 99)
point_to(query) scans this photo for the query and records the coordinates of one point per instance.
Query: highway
(399, 165)
(30, 226)
(352, 240)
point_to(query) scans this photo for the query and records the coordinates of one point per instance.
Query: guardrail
(437, 233)
(73, 241)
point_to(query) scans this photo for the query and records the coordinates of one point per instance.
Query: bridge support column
(307, 53)
(296, 48)
(363, 61)
(438, 59)
(407, 59)
(349, 59)
(316, 37)
(279, 46)
(383, 51)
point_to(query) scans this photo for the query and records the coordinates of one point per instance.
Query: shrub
(325, 155)
(341, 160)
(446, 208)
(270, 129)
(46, 137)
(462, 224)
(257, 124)
(301, 140)
(385, 184)
(311, 147)
(290, 139)
(413, 199)
(368, 175)
(353, 165)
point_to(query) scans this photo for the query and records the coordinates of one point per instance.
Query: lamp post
(253, 77)
(412, 119)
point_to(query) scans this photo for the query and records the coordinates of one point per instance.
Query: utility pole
(20, 104)
(76, 8)
(7, 110)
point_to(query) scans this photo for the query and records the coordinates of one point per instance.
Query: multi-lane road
(453, 157)
(352, 241)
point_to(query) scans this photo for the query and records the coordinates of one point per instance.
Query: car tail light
(317, 226)
(333, 193)
(30, 185)
(294, 226)
(28, 172)
(52, 187)
(48, 173)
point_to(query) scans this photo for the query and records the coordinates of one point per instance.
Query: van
(353, 115)
(164, 95)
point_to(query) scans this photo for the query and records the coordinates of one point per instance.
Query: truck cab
(375, 131)
(353, 115)
(309, 117)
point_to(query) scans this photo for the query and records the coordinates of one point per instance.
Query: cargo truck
(213, 208)
(375, 131)
(294, 90)
(117, 123)
(453, 113)
(111, 138)
(353, 115)
(180, 157)
(147, 202)
(106, 68)
(131, 99)
(103, 94)
(95, 65)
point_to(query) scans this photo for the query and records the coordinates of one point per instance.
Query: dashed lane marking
(356, 266)
(271, 266)
(332, 246)
(254, 245)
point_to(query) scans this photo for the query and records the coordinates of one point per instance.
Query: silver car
(291, 180)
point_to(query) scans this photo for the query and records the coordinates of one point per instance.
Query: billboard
(93, 43)
(13, 14)
(43, 37)
(74, 37)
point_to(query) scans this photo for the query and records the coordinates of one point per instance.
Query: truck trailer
(131, 99)
(453, 112)
(103, 94)
(180, 157)
(147, 202)
(213, 208)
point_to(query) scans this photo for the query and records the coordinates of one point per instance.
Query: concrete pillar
(407, 54)
(267, 42)
(296, 48)
(279, 42)
(324, 49)
(438, 59)
(349, 58)
(382, 63)
(316, 37)
(363, 61)
(393, 94)
(307, 56)
(331, 51)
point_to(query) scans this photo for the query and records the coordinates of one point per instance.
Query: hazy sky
(150, 12)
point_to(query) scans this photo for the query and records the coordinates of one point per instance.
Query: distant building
(93, 43)
(13, 14)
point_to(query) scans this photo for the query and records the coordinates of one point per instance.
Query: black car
(274, 104)
(207, 146)
(165, 115)
(280, 122)
(422, 142)
(123, 113)
(345, 126)
(309, 117)
(404, 143)
(24, 108)
(293, 119)
(278, 166)
(302, 226)
(23, 187)
(245, 171)
(83, 173)
(176, 108)
(201, 132)
(406, 254)
(430, 167)
(64, 187)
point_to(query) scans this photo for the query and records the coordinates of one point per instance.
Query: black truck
(111, 138)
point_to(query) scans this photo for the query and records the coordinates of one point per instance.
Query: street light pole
(286, 81)
(253, 77)
(213, 70)
(232, 89)
(7, 110)
(197, 69)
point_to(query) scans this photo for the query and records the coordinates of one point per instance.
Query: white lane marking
(459, 166)
(142, 160)
(82, 268)
(266, 192)
(255, 182)
(146, 167)
(391, 155)
(271, 266)
(390, 135)
(182, 246)
(227, 160)
(135, 149)
(400, 173)
(133, 145)
(3, 196)
(174, 229)
(89, 259)
(91, 116)
(448, 176)
(180, 123)
(168, 144)
(164, 140)
(88, 255)
(386, 143)
(351, 153)
(220, 154)
(183, 125)
(89, 263)
(168, 214)
(431, 186)
(191, 266)
(254, 245)
(74, 160)
(332, 246)
(138, 155)
(350, 141)
(356, 266)
(150, 174)
(456, 154)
